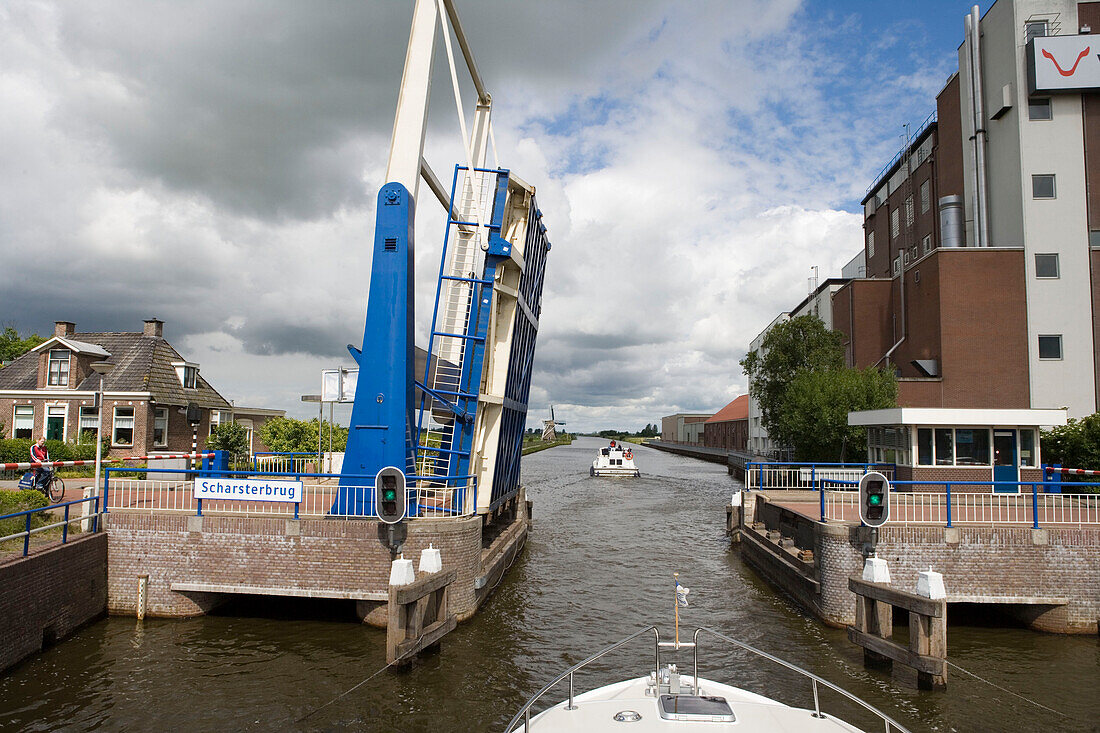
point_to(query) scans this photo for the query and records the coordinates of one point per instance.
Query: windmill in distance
(549, 430)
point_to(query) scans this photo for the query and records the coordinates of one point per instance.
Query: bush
(18, 450)
(12, 501)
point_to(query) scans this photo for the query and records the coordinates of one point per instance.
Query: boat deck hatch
(694, 707)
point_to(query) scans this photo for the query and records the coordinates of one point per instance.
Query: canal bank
(1047, 579)
(598, 565)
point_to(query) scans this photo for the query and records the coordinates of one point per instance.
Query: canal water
(597, 567)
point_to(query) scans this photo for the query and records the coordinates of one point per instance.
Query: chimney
(153, 328)
(63, 328)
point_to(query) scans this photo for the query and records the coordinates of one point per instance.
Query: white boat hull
(594, 711)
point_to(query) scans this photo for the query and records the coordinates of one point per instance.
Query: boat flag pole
(676, 605)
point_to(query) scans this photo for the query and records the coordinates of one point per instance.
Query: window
(56, 419)
(89, 424)
(924, 446)
(870, 244)
(897, 265)
(1039, 109)
(925, 196)
(24, 422)
(926, 244)
(1046, 265)
(895, 226)
(160, 426)
(909, 212)
(58, 375)
(1050, 347)
(1094, 238)
(907, 257)
(1034, 29)
(972, 447)
(123, 433)
(1042, 186)
(945, 447)
(190, 377)
(1027, 448)
(217, 417)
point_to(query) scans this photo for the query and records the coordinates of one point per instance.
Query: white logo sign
(1062, 63)
(248, 489)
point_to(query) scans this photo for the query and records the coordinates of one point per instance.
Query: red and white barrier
(35, 464)
(1074, 471)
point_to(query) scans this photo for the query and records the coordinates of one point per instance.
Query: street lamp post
(101, 368)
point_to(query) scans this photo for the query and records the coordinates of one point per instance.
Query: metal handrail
(794, 667)
(525, 711)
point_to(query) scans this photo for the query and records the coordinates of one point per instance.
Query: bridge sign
(248, 489)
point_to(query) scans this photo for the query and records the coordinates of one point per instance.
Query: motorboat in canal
(614, 460)
(670, 700)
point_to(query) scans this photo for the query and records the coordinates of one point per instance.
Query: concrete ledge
(1023, 600)
(366, 595)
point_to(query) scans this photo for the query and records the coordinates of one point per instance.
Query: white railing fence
(973, 508)
(807, 476)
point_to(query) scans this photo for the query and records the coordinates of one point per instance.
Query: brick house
(51, 391)
(729, 427)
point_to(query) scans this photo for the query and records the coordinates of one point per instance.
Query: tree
(813, 417)
(230, 437)
(1075, 444)
(12, 346)
(799, 344)
(287, 435)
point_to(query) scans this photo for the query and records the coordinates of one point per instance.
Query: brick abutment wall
(1047, 578)
(325, 558)
(48, 595)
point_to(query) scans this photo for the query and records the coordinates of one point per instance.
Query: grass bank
(534, 446)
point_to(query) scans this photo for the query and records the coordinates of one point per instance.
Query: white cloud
(215, 164)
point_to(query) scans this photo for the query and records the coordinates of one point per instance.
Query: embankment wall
(48, 595)
(1048, 578)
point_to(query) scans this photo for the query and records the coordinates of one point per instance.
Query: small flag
(682, 595)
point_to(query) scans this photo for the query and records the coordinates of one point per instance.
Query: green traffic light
(874, 499)
(389, 494)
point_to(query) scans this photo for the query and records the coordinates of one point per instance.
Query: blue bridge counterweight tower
(382, 415)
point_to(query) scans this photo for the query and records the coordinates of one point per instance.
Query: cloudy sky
(215, 163)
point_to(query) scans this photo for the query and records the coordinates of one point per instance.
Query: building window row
(966, 447)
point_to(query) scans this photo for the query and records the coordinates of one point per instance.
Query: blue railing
(447, 496)
(986, 506)
(64, 524)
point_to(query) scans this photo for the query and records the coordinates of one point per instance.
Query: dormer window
(58, 375)
(187, 373)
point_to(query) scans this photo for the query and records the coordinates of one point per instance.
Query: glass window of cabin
(1027, 448)
(23, 426)
(945, 447)
(1039, 109)
(1046, 265)
(123, 433)
(924, 446)
(1042, 186)
(972, 447)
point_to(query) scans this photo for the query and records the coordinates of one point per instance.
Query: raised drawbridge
(456, 430)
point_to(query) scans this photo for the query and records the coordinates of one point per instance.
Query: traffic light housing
(390, 498)
(874, 499)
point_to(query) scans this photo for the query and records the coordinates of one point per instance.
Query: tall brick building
(982, 237)
(51, 391)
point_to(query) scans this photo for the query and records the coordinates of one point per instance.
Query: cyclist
(39, 454)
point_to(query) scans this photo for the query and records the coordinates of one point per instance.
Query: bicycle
(51, 485)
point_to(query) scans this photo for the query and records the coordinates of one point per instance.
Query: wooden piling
(418, 616)
(927, 649)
